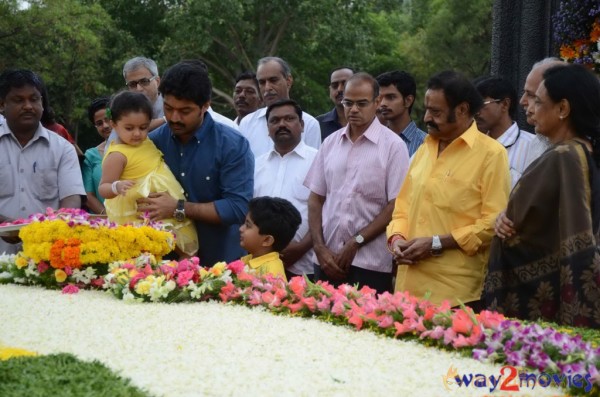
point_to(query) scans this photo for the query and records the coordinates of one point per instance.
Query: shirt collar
(410, 132)
(509, 136)
(469, 136)
(41, 132)
(300, 150)
(372, 133)
(331, 116)
(255, 263)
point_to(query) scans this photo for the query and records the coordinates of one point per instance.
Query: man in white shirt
(281, 172)
(275, 81)
(495, 118)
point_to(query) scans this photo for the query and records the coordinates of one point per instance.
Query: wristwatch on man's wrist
(436, 246)
(179, 213)
(360, 240)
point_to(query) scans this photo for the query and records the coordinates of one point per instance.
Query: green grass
(62, 375)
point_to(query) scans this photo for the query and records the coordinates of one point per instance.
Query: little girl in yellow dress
(133, 168)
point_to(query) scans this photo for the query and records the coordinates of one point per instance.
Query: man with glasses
(353, 181)
(496, 119)
(141, 75)
(335, 119)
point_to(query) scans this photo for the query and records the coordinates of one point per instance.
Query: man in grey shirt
(38, 168)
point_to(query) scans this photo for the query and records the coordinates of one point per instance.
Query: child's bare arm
(112, 169)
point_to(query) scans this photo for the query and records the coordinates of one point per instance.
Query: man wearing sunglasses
(496, 119)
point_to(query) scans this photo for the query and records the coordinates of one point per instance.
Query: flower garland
(494, 338)
(70, 246)
(577, 32)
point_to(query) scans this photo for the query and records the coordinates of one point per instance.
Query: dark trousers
(381, 282)
(289, 276)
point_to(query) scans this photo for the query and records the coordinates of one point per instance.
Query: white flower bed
(212, 349)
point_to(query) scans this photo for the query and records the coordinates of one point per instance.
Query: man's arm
(325, 256)
(369, 233)
(73, 201)
(296, 249)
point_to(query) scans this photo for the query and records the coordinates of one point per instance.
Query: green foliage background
(79, 46)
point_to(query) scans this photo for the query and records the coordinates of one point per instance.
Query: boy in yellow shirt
(270, 225)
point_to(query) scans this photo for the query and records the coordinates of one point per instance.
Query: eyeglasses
(359, 104)
(143, 82)
(491, 101)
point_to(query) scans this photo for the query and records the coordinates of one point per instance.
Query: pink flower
(227, 292)
(70, 289)
(297, 285)
(461, 322)
(401, 328)
(68, 270)
(236, 267)
(267, 297)
(356, 320)
(97, 282)
(490, 319)
(324, 304)
(310, 303)
(436, 333)
(183, 278)
(385, 321)
(294, 307)
(42, 267)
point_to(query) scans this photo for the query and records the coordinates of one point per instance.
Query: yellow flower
(203, 272)
(60, 275)
(20, 262)
(143, 286)
(10, 352)
(218, 268)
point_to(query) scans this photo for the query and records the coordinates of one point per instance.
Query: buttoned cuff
(467, 240)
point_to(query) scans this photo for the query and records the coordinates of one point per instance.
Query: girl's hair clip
(108, 114)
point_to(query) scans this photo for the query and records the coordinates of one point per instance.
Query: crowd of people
(475, 210)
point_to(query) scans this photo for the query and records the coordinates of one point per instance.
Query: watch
(359, 239)
(179, 213)
(436, 246)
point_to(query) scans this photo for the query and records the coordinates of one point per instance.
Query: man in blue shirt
(212, 161)
(398, 91)
(335, 119)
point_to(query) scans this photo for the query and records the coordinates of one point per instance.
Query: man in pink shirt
(354, 181)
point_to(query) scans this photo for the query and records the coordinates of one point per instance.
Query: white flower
(31, 270)
(85, 276)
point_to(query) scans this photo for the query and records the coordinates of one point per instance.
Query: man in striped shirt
(354, 180)
(397, 91)
(496, 119)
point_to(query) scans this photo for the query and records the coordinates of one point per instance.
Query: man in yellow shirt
(456, 185)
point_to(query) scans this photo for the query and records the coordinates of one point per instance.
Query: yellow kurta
(269, 263)
(460, 192)
(145, 166)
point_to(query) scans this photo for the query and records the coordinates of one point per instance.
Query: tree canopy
(79, 46)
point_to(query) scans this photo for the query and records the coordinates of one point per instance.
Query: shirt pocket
(453, 195)
(45, 183)
(371, 184)
(300, 192)
(7, 179)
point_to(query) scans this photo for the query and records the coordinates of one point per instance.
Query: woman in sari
(549, 268)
